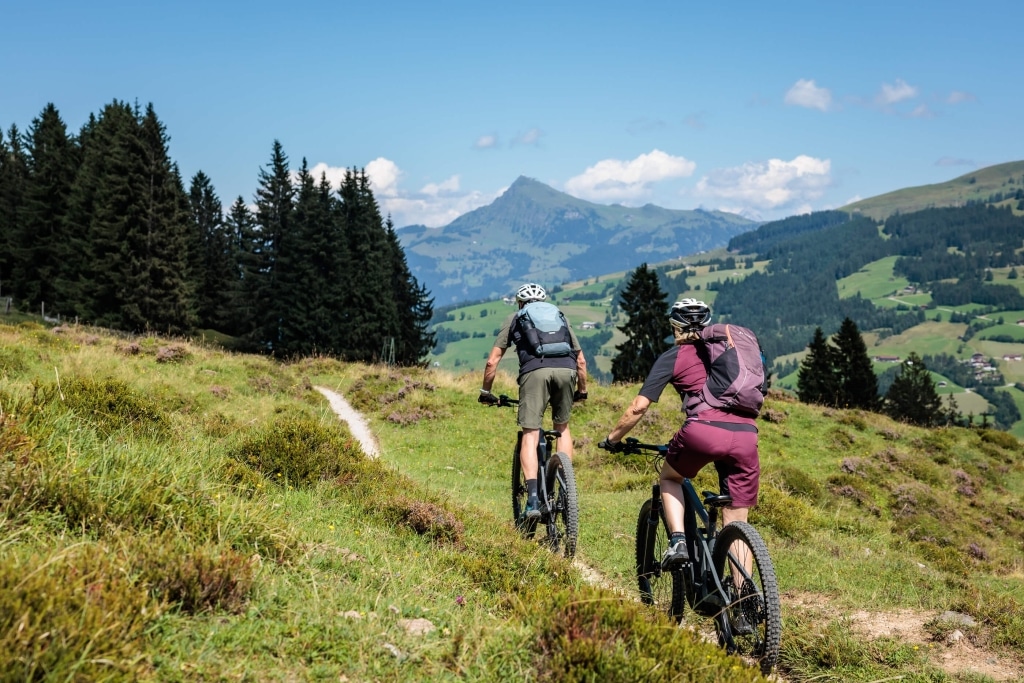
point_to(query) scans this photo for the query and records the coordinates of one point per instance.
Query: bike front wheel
(662, 589)
(754, 617)
(563, 513)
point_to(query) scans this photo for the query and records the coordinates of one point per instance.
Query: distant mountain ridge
(533, 232)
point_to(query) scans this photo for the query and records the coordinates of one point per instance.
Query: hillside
(1000, 182)
(533, 232)
(173, 512)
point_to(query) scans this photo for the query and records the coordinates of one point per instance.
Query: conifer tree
(858, 382)
(301, 273)
(212, 261)
(818, 382)
(103, 209)
(274, 198)
(912, 396)
(370, 319)
(52, 160)
(13, 178)
(645, 305)
(162, 297)
(244, 245)
(415, 306)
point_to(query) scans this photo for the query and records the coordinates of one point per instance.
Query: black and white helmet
(531, 292)
(690, 314)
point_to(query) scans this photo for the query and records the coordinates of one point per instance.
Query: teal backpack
(545, 330)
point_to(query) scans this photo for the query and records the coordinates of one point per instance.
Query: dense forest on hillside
(797, 291)
(98, 226)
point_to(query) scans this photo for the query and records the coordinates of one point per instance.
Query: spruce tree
(212, 261)
(159, 294)
(859, 384)
(912, 396)
(52, 161)
(415, 306)
(244, 245)
(370, 319)
(104, 208)
(646, 307)
(818, 382)
(274, 198)
(13, 178)
(301, 273)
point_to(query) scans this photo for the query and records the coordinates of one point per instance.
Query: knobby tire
(519, 492)
(564, 514)
(663, 590)
(757, 600)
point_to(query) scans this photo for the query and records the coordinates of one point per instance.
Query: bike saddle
(712, 499)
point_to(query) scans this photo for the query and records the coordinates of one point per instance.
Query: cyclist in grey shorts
(558, 381)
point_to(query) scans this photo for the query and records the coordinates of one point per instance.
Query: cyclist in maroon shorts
(727, 439)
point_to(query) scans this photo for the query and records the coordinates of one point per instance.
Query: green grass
(874, 281)
(232, 528)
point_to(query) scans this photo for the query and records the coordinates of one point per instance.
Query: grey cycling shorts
(540, 387)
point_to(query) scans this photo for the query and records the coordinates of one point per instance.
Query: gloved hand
(579, 396)
(487, 398)
(609, 446)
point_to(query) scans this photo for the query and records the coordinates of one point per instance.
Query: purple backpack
(737, 375)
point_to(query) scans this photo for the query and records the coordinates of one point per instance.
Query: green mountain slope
(533, 232)
(171, 512)
(979, 186)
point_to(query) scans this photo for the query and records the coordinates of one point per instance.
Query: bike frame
(703, 588)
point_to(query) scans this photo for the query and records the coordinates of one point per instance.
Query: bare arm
(581, 372)
(491, 368)
(629, 418)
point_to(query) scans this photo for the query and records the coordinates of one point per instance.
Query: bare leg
(528, 452)
(738, 550)
(564, 443)
(672, 497)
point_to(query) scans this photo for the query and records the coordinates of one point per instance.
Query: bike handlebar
(631, 446)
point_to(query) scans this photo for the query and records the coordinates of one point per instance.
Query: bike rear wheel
(662, 589)
(519, 491)
(754, 594)
(563, 508)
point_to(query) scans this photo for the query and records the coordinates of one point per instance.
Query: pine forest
(99, 227)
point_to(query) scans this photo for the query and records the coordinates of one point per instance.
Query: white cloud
(384, 175)
(805, 93)
(486, 142)
(773, 185)
(959, 97)
(614, 179)
(530, 137)
(897, 92)
(434, 205)
(922, 111)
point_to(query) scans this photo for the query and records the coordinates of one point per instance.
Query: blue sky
(765, 109)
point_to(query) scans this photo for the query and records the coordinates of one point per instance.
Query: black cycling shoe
(676, 555)
(530, 513)
(739, 625)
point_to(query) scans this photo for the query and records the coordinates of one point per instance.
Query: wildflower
(460, 601)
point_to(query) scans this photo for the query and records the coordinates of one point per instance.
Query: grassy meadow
(175, 512)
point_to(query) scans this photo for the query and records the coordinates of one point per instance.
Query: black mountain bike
(556, 492)
(729, 578)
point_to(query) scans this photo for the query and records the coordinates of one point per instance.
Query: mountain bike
(729, 578)
(556, 492)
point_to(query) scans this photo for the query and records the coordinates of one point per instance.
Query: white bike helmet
(531, 292)
(690, 314)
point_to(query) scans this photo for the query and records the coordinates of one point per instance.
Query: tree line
(99, 226)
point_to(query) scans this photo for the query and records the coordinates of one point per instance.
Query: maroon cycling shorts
(733, 449)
